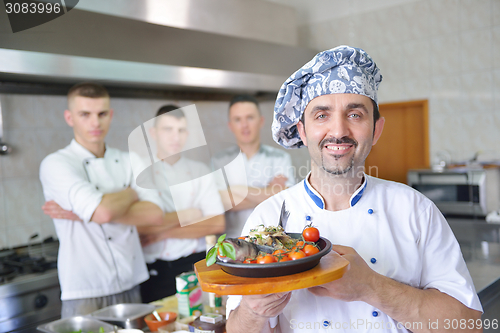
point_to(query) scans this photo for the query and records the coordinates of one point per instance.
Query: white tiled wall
(35, 127)
(446, 51)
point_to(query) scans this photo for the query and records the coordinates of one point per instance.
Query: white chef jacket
(94, 260)
(399, 233)
(260, 169)
(191, 186)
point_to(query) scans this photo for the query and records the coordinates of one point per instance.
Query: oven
(460, 191)
(29, 290)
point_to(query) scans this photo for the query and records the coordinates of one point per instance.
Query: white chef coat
(399, 233)
(94, 260)
(260, 169)
(191, 186)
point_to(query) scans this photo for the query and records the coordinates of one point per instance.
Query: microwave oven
(459, 191)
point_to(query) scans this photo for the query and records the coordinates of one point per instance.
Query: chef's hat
(341, 70)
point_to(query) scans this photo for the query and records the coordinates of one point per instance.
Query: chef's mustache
(336, 141)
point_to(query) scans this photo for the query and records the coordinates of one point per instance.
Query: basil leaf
(221, 238)
(229, 250)
(210, 261)
(211, 256)
(211, 251)
(221, 250)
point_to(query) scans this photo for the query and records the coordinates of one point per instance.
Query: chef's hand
(52, 209)
(355, 284)
(267, 306)
(254, 311)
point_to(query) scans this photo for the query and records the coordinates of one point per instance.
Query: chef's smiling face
(170, 134)
(339, 131)
(90, 119)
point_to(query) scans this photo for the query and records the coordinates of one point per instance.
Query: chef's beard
(338, 170)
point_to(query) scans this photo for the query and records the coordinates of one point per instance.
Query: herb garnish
(221, 248)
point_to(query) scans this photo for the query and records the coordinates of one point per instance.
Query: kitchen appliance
(460, 191)
(29, 288)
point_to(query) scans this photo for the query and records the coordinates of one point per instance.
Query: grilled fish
(243, 250)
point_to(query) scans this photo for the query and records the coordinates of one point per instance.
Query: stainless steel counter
(480, 244)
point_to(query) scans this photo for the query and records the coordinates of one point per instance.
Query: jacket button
(116, 161)
(370, 211)
(109, 238)
(375, 313)
(373, 260)
(97, 187)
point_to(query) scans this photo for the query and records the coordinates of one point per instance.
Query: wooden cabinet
(404, 143)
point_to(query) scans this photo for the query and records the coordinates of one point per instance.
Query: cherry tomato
(297, 254)
(299, 245)
(278, 252)
(310, 234)
(282, 257)
(266, 259)
(309, 250)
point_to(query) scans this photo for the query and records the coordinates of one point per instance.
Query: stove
(13, 265)
(29, 288)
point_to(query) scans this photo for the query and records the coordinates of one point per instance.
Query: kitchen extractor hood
(132, 44)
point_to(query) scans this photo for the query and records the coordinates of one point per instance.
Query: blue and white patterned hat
(341, 70)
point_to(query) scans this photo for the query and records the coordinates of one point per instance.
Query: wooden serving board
(213, 279)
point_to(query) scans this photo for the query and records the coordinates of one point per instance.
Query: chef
(191, 201)
(96, 205)
(268, 170)
(406, 269)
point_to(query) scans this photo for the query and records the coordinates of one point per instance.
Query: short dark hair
(88, 89)
(242, 99)
(376, 112)
(172, 110)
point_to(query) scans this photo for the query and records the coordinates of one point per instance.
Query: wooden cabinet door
(404, 143)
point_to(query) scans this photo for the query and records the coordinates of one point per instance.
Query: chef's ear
(302, 132)
(68, 117)
(111, 113)
(379, 127)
